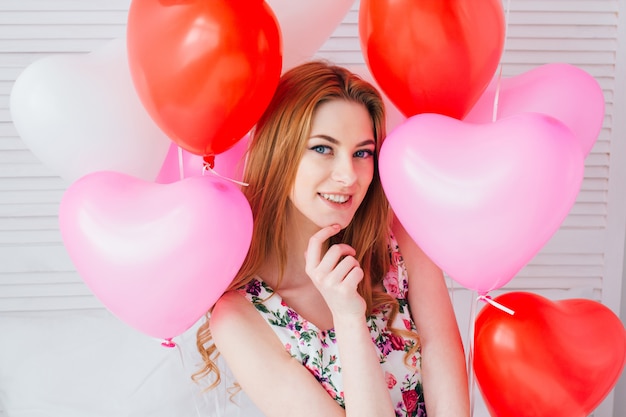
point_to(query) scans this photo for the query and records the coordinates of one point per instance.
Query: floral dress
(317, 349)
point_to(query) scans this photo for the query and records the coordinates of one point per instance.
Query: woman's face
(337, 167)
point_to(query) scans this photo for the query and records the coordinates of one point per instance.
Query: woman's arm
(336, 275)
(443, 361)
(277, 383)
(365, 389)
(281, 386)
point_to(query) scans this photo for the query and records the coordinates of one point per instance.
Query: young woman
(327, 317)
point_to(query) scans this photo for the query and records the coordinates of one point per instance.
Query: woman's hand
(336, 274)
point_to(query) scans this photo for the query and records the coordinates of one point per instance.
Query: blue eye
(364, 153)
(325, 150)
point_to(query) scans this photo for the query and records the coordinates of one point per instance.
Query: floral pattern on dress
(317, 349)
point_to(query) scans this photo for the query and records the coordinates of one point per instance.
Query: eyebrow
(335, 141)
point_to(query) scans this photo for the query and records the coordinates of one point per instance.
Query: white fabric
(90, 364)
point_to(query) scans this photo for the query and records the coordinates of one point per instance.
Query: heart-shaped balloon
(432, 56)
(481, 199)
(80, 113)
(181, 164)
(157, 256)
(204, 70)
(557, 359)
(306, 25)
(563, 91)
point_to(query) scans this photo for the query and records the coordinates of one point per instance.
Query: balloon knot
(209, 161)
(168, 343)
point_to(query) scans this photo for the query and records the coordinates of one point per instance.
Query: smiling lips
(335, 198)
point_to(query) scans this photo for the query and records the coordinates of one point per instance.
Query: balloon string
(191, 392)
(181, 168)
(470, 343)
(496, 97)
(206, 168)
(470, 355)
(452, 289)
(496, 304)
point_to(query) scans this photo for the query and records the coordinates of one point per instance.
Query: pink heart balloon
(157, 256)
(481, 199)
(562, 91)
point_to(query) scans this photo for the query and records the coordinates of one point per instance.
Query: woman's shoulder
(237, 328)
(232, 311)
(238, 309)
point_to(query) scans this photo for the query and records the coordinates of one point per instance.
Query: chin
(341, 222)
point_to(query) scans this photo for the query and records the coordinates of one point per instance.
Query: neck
(299, 231)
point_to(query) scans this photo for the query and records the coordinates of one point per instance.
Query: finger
(342, 269)
(334, 255)
(313, 253)
(353, 278)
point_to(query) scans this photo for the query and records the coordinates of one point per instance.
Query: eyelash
(369, 153)
(327, 150)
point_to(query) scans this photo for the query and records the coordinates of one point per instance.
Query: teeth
(335, 198)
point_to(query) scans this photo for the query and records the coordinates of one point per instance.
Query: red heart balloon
(557, 359)
(204, 70)
(432, 56)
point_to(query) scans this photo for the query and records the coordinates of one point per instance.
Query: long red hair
(275, 150)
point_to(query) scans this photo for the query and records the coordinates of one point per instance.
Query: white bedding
(90, 364)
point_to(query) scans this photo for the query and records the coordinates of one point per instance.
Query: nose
(344, 171)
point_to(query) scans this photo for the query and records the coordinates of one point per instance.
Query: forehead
(342, 119)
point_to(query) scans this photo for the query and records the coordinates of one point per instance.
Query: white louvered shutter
(35, 270)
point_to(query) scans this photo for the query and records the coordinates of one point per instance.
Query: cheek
(366, 173)
(301, 185)
(300, 177)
